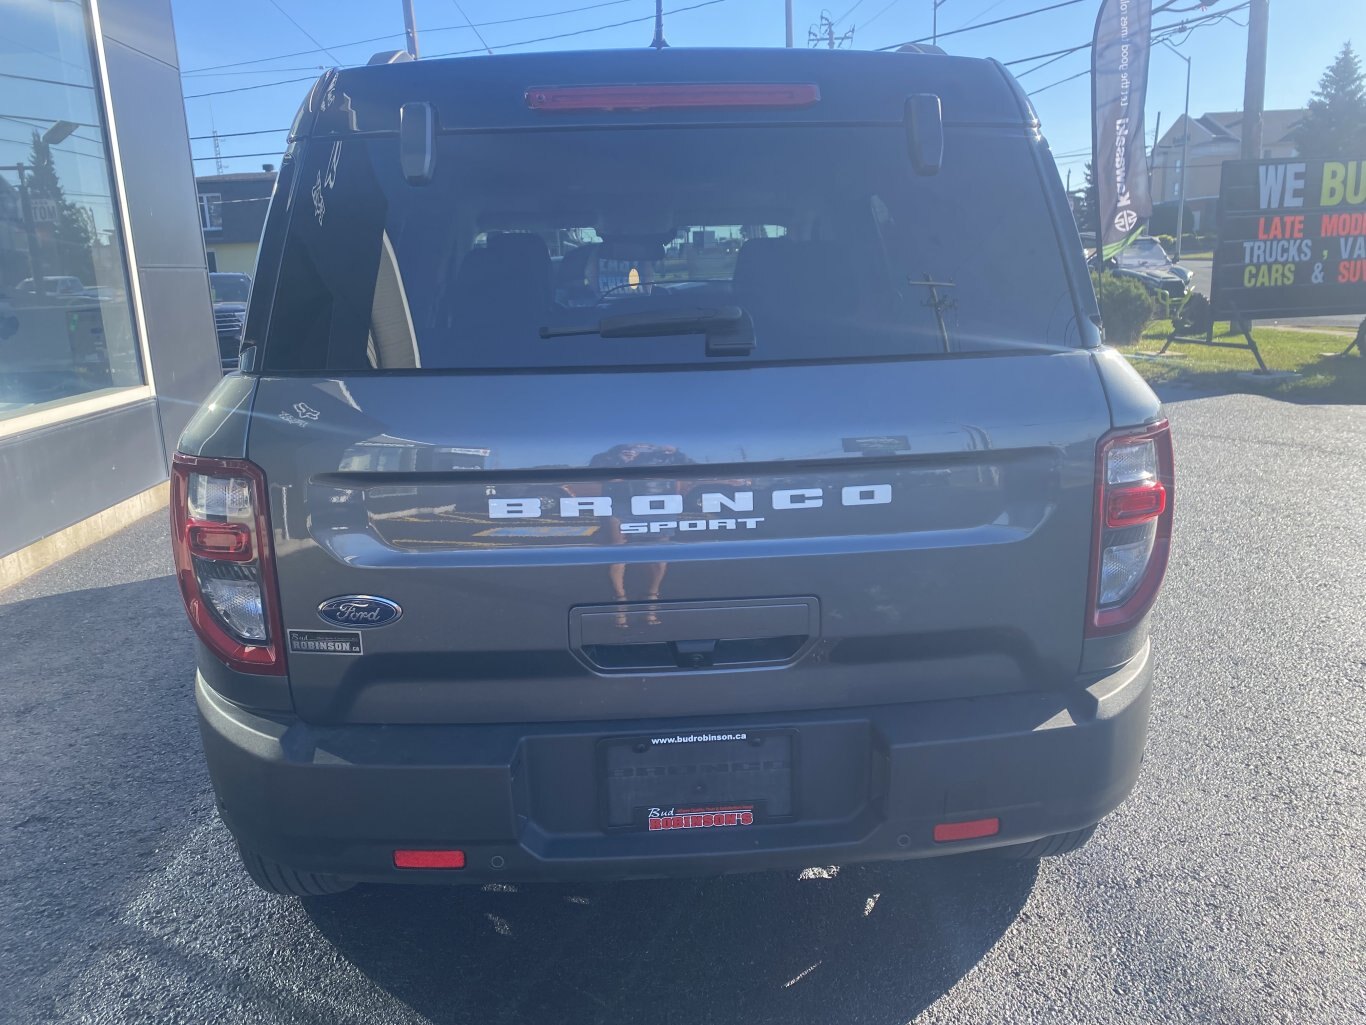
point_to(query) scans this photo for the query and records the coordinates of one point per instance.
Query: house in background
(232, 212)
(1214, 138)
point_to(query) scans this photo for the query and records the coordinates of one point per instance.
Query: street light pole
(1185, 154)
(410, 28)
(788, 6)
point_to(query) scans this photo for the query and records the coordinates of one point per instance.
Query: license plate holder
(687, 779)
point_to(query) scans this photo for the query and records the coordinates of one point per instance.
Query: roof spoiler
(390, 57)
(921, 48)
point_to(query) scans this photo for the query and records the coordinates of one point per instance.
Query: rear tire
(273, 877)
(1049, 846)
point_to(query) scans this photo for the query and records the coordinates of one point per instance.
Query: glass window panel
(66, 326)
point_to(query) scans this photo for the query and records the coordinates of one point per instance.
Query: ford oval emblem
(359, 611)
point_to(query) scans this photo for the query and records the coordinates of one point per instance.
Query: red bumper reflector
(1135, 504)
(946, 832)
(429, 859)
(672, 96)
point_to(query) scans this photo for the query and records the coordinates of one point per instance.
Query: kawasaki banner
(1119, 83)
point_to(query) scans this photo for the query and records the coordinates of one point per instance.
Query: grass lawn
(1322, 378)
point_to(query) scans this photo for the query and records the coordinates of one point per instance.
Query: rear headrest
(512, 268)
(519, 245)
(799, 276)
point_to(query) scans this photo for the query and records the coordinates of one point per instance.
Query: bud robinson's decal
(325, 642)
(701, 818)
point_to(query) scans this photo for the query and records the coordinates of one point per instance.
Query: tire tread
(273, 877)
(1050, 846)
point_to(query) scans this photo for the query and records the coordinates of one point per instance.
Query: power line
(846, 14)
(880, 13)
(461, 53)
(1051, 60)
(425, 32)
(1050, 53)
(982, 14)
(477, 34)
(243, 156)
(245, 88)
(1061, 81)
(45, 81)
(276, 5)
(989, 24)
(1176, 28)
(234, 135)
(261, 71)
(580, 32)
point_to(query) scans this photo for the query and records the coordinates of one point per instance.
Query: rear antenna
(658, 42)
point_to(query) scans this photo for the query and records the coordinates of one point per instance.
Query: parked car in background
(230, 293)
(64, 285)
(1147, 262)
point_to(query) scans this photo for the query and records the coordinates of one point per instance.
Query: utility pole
(410, 27)
(35, 256)
(788, 6)
(1185, 147)
(1254, 81)
(1152, 153)
(934, 30)
(825, 33)
(217, 154)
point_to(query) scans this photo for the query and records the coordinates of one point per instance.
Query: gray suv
(664, 462)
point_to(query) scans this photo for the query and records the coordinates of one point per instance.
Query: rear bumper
(522, 801)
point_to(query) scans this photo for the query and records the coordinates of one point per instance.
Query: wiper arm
(729, 330)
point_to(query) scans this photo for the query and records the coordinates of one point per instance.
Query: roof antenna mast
(658, 42)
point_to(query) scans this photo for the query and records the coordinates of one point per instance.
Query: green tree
(1088, 200)
(73, 231)
(1335, 123)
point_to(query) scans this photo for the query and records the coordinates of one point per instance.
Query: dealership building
(107, 340)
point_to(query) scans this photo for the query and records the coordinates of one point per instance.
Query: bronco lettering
(672, 505)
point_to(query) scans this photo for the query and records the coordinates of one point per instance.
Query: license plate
(698, 780)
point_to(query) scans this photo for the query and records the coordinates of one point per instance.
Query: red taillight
(429, 859)
(211, 540)
(1125, 507)
(672, 96)
(220, 535)
(946, 832)
(1133, 526)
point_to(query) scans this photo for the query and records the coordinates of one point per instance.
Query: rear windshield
(824, 235)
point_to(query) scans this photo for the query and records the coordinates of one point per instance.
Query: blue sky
(1305, 36)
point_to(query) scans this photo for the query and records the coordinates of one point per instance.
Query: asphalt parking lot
(1231, 888)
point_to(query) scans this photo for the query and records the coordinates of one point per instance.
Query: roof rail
(390, 57)
(921, 48)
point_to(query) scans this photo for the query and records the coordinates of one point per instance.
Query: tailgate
(671, 543)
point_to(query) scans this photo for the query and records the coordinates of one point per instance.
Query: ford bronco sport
(665, 462)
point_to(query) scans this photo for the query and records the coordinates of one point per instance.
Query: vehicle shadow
(876, 943)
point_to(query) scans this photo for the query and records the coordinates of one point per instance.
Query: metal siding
(59, 475)
(184, 344)
(144, 25)
(155, 148)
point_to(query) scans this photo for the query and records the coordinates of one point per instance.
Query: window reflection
(66, 328)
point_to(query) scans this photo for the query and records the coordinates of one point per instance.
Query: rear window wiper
(729, 329)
